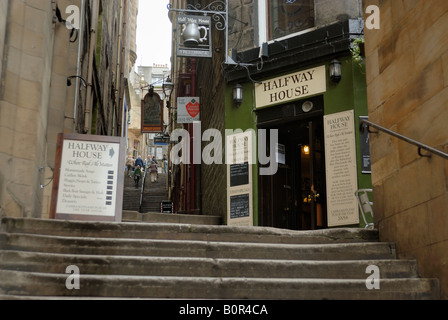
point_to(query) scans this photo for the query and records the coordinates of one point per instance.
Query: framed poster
(88, 178)
(152, 113)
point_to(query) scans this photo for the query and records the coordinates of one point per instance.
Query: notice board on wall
(88, 178)
(341, 169)
(239, 179)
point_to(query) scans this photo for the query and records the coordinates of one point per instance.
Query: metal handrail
(420, 145)
(143, 190)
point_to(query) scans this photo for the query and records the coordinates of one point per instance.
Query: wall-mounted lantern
(168, 88)
(335, 71)
(238, 94)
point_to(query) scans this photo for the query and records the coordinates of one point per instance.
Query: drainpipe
(78, 67)
(92, 48)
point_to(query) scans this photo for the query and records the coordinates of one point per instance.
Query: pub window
(281, 18)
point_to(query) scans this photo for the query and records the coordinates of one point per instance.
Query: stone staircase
(153, 194)
(189, 261)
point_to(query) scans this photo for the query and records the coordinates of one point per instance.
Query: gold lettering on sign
(290, 87)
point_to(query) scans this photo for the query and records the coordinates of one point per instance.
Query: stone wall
(212, 89)
(37, 56)
(407, 78)
(24, 105)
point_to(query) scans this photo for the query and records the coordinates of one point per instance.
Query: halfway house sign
(88, 178)
(291, 87)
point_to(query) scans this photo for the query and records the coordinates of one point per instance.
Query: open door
(314, 176)
(294, 198)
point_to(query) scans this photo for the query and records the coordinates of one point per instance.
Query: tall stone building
(63, 66)
(407, 84)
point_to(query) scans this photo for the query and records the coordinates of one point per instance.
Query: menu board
(340, 157)
(239, 206)
(239, 152)
(89, 178)
(239, 174)
(167, 207)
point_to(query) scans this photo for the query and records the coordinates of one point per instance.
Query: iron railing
(143, 190)
(419, 145)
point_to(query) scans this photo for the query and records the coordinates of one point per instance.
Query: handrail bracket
(423, 155)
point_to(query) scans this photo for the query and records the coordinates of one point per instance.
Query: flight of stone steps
(154, 193)
(189, 261)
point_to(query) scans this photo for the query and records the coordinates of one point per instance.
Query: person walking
(137, 175)
(165, 163)
(139, 162)
(130, 165)
(153, 171)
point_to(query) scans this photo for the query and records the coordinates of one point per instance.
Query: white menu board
(90, 178)
(340, 157)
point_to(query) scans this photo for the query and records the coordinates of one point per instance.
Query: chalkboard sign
(239, 206)
(239, 174)
(167, 207)
(365, 147)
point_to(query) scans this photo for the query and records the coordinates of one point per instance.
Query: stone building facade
(40, 53)
(407, 81)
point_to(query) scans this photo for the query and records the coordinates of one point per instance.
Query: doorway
(295, 197)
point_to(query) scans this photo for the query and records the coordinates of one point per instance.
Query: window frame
(263, 25)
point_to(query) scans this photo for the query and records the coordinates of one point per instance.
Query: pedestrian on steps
(139, 162)
(137, 175)
(153, 170)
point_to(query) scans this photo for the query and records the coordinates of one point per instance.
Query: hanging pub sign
(88, 178)
(194, 38)
(152, 113)
(188, 109)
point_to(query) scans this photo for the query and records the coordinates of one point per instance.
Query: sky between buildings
(153, 33)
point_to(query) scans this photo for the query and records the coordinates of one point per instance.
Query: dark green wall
(348, 94)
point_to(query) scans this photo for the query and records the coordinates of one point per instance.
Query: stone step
(203, 249)
(45, 284)
(191, 261)
(156, 217)
(177, 231)
(203, 267)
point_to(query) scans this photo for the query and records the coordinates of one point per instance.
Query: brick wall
(407, 78)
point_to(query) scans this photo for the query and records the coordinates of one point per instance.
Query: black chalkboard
(365, 147)
(239, 174)
(167, 207)
(239, 206)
